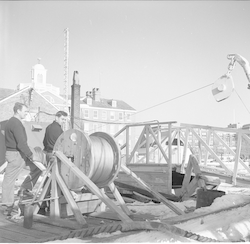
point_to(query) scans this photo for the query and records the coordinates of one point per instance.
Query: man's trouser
(16, 163)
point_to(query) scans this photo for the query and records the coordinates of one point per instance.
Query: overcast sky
(161, 57)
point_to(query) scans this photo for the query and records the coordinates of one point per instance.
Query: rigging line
(151, 106)
(242, 101)
(173, 99)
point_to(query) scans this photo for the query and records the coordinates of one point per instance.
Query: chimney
(75, 103)
(96, 94)
(89, 97)
(114, 103)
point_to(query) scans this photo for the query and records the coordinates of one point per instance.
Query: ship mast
(66, 66)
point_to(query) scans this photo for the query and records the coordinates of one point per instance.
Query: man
(2, 146)
(53, 131)
(18, 156)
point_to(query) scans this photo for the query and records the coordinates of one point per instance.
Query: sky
(160, 57)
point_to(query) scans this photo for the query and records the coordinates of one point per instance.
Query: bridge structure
(219, 151)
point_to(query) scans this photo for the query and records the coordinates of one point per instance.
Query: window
(95, 127)
(86, 127)
(104, 115)
(95, 116)
(104, 128)
(128, 116)
(120, 116)
(86, 113)
(40, 78)
(112, 115)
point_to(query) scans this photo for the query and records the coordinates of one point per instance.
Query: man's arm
(21, 142)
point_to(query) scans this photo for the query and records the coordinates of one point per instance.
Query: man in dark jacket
(53, 131)
(18, 156)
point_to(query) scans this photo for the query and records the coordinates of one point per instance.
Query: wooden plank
(142, 191)
(14, 237)
(237, 157)
(126, 199)
(57, 222)
(77, 213)
(4, 240)
(155, 180)
(149, 167)
(136, 146)
(55, 191)
(211, 151)
(36, 234)
(160, 148)
(85, 207)
(156, 194)
(119, 198)
(49, 228)
(94, 189)
(189, 216)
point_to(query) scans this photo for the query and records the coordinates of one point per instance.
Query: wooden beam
(237, 157)
(77, 213)
(136, 146)
(185, 150)
(147, 143)
(55, 206)
(211, 151)
(159, 145)
(156, 194)
(119, 198)
(92, 187)
(189, 216)
(169, 175)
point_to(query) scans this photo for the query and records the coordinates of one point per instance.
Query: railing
(205, 142)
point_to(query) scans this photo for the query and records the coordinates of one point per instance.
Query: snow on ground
(230, 225)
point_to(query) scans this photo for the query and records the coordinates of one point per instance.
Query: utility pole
(66, 66)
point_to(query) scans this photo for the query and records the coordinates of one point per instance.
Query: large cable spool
(97, 156)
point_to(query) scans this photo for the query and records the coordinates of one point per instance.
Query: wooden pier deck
(11, 232)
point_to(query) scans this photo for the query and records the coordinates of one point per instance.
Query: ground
(227, 226)
(230, 225)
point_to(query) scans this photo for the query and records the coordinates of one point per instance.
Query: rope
(117, 121)
(136, 225)
(242, 101)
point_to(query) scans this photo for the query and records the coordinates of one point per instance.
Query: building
(44, 100)
(39, 81)
(107, 115)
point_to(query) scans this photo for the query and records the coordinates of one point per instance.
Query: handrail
(204, 141)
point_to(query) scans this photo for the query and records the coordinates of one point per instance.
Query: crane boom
(244, 64)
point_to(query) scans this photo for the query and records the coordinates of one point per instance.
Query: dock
(14, 232)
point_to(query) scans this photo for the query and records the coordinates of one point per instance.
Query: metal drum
(97, 156)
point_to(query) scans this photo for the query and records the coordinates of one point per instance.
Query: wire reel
(97, 156)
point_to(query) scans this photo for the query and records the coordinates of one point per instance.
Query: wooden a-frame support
(58, 185)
